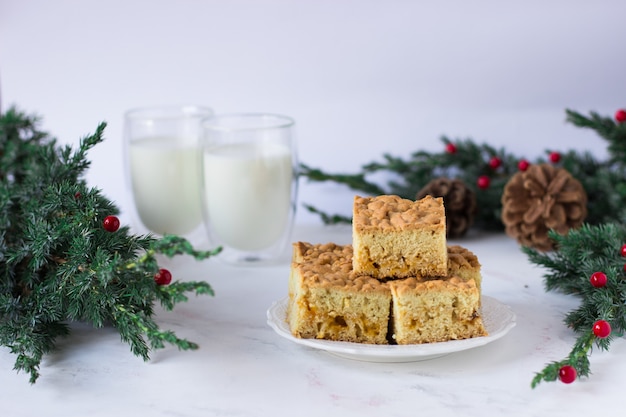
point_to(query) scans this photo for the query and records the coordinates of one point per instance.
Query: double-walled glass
(163, 167)
(249, 185)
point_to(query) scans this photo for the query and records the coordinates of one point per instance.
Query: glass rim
(215, 122)
(166, 112)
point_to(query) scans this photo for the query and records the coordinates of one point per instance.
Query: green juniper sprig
(603, 180)
(61, 262)
(588, 263)
(574, 366)
(595, 249)
(611, 130)
(471, 162)
(463, 159)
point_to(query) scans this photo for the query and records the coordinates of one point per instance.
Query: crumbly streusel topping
(415, 284)
(393, 212)
(330, 265)
(460, 257)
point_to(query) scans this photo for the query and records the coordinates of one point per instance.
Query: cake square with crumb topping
(398, 238)
(327, 301)
(436, 310)
(464, 264)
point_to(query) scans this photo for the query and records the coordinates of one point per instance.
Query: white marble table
(243, 368)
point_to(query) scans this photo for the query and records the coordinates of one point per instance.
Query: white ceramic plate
(498, 319)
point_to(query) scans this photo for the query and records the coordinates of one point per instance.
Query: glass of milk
(249, 185)
(161, 148)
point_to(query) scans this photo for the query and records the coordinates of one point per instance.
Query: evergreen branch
(581, 253)
(174, 293)
(610, 130)
(407, 176)
(329, 219)
(172, 245)
(578, 358)
(603, 126)
(76, 163)
(133, 326)
(603, 181)
(59, 264)
(356, 181)
(30, 346)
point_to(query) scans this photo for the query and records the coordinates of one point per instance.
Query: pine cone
(539, 199)
(459, 202)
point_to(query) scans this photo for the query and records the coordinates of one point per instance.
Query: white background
(360, 77)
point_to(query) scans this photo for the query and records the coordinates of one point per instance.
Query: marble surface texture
(243, 368)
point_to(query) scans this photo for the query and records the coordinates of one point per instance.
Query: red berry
(523, 165)
(601, 329)
(623, 250)
(483, 182)
(451, 148)
(555, 157)
(620, 116)
(495, 162)
(567, 374)
(77, 195)
(111, 223)
(598, 279)
(163, 277)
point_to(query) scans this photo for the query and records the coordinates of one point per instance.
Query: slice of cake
(327, 301)
(439, 310)
(464, 264)
(396, 237)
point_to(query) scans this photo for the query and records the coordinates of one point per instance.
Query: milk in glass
(247, 188)
(165, 176)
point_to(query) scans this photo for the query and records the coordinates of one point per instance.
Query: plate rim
(396, 353)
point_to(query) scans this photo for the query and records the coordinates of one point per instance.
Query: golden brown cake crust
(396, 237)
(413, 285)
(328, 301)
(330, 266)
(320, 253)
(340, 278)
(461, 257)
(436, 310)
(464, 264)
(390, 212)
